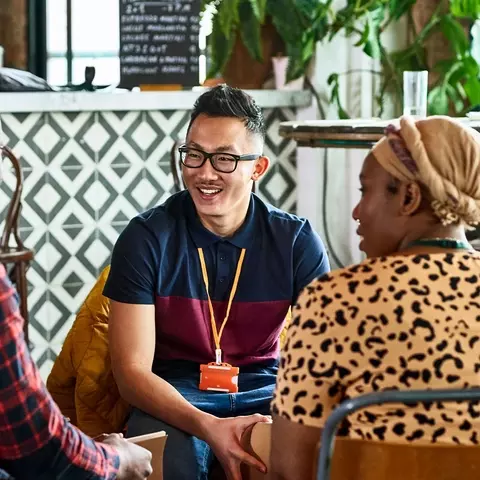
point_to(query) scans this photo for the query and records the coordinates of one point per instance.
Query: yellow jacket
(81, 381)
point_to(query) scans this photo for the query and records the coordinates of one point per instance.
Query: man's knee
(185, 457)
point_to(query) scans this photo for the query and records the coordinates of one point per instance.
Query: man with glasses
(200, 287)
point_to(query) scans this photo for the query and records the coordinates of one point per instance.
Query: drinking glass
(415, 91)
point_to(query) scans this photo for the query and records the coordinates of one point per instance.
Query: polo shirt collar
(203, 237)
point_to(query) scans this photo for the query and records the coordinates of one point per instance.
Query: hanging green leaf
(250, 31)
(455, 34)
(296, 65)
(307, 51)
(255, 8)
(372, 46)
(446, 67)
(307, 7)
(333, 81)
(455, 97)
(260, 9)
(455, 74)
(332, 78)
(438, 101)
(287, 20)
(465, 8)
(398, 8)
(472, 89)
(220, 48)
(471, 65)
(320, 24)
(364, 37)
(342, 113)
(228, 16)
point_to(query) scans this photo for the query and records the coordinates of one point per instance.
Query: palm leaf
(259, 8)
(228, 16)
(250, 31)
(220, 48)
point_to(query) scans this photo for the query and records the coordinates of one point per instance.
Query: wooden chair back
(12, 250)
(367, 460)
(406, 397)
(176, 167)
(11, 221)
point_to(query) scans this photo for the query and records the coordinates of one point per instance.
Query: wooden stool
(15, 252)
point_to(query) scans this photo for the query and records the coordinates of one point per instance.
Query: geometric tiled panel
(86, 175)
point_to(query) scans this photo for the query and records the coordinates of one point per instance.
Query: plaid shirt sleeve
(32, 428)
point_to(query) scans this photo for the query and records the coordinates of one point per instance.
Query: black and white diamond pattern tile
(86, 175)
(65, 302)
(145, 191)
(145, 134)
(66, 243)
(174, 125)
(272, 118)
(71, 156)
(119, 212)
(44, 357)
(17, 129)
(70, 123)
(121, 122)
(46, 138)
(96, 195)
(33, 181)
(161, 153)
(96, 136)
(120, 165)
(278, 185)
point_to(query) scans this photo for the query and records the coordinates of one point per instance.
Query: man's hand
(135, 461)
(224, 437)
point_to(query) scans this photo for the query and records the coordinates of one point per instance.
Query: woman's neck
(452, 232)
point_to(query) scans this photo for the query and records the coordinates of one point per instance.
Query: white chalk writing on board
(159, 41)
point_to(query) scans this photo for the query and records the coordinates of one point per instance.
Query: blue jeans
(187, 457)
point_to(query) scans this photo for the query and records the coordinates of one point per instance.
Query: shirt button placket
(222, 265)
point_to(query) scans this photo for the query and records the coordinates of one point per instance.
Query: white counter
(137, 101)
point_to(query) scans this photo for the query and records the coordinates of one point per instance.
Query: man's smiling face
(214, 193)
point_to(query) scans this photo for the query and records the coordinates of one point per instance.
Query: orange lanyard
(218, 335)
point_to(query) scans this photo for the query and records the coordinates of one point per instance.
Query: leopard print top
(406, 322)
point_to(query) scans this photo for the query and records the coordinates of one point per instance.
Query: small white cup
(415, 92)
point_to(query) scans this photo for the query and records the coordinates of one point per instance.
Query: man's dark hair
(225, 101)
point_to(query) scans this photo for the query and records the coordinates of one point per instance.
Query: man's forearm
(158, 398)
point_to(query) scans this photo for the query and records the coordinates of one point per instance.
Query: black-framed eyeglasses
(222, 162)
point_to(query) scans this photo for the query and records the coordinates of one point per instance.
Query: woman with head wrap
(408, 317)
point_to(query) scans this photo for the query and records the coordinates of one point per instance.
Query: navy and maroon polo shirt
(155, 261)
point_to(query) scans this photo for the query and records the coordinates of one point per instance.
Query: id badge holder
(219, 377)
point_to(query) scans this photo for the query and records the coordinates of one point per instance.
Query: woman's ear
(412, 198)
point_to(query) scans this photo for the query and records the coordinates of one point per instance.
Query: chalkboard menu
(159, 42)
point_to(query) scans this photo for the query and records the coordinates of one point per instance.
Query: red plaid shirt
(35, 438)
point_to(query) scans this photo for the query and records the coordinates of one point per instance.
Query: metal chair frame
(379, 398)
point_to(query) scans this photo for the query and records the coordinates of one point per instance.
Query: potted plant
(456, 75)
(246, 34)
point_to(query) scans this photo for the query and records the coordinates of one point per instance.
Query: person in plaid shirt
(36, 440)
